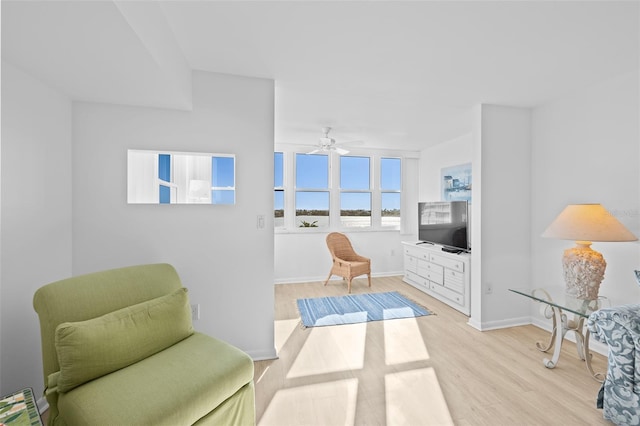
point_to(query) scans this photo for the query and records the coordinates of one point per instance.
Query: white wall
(220, 254)
(451, 153)
(499, 150)
(36, 217)
(586, 149)
(501, 255)
(305, 257)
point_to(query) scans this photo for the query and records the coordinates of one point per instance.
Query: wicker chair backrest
(340, 246)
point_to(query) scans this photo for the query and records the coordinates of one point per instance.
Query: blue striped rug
(356, 308)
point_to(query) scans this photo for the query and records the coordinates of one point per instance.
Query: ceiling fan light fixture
(327, 144)
(326, 141)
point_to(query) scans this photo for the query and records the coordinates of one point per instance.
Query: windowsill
(302, 231)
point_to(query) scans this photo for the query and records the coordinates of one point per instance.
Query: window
(164, 178)
(278, 188)
(355, 195)
(312, 209)
(390, 186)
(329, 191)
(223, 188)
(312, 191)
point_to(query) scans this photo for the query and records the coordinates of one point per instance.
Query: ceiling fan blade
(314, 151)
(341, 151)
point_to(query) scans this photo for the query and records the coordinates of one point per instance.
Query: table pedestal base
(561, 325)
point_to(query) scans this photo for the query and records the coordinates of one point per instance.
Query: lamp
(584, 267)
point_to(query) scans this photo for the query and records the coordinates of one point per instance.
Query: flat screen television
(444, 223)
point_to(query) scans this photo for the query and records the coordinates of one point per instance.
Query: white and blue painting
(456, 183)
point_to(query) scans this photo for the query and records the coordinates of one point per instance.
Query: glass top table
(556, 296)
(556, 306)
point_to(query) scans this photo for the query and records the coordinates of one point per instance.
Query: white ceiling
(394, 74)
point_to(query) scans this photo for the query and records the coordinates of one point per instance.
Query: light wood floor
(433, 370)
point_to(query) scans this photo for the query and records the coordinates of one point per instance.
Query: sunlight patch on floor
(332, 403)
(403, 342)
(415, 397)
(346, 318)
(283, 330)
(393, 313)
(331, 349)
(262, 375)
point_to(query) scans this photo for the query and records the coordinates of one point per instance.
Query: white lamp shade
(587, 222)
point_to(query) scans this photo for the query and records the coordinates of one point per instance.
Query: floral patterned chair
(619, 328)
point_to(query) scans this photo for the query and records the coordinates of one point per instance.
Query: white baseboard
(546, 325)
(495, 325)
(42, 404)
(300, 280)
(262, 355)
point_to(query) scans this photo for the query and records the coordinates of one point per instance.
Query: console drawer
(453, 278)
(416, 252)
(431, 271)
(449, 294)
(456, 265)
(410, 263)
(416, 279)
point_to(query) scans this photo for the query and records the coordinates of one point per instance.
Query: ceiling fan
(327, 144)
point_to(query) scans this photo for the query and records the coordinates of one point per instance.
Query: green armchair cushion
(194, 379)
(99, 346)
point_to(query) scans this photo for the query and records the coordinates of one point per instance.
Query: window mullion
(376, 202)
(334, 188)
(288, 178)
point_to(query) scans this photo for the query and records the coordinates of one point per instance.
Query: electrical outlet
(195, 312)
(488, 288)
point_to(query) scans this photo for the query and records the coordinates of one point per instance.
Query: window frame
(368, 191)
(226, 189)
(281, 189)
(289, 188)
(321, 190)
(390, 191)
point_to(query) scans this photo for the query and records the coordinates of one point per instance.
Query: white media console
(445, 276)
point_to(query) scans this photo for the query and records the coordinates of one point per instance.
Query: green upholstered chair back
(92, 295)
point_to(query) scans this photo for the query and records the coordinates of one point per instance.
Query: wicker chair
(346, 262)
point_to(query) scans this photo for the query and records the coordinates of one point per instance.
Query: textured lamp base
(583, 271)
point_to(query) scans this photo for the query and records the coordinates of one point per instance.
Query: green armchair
(118, 347)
